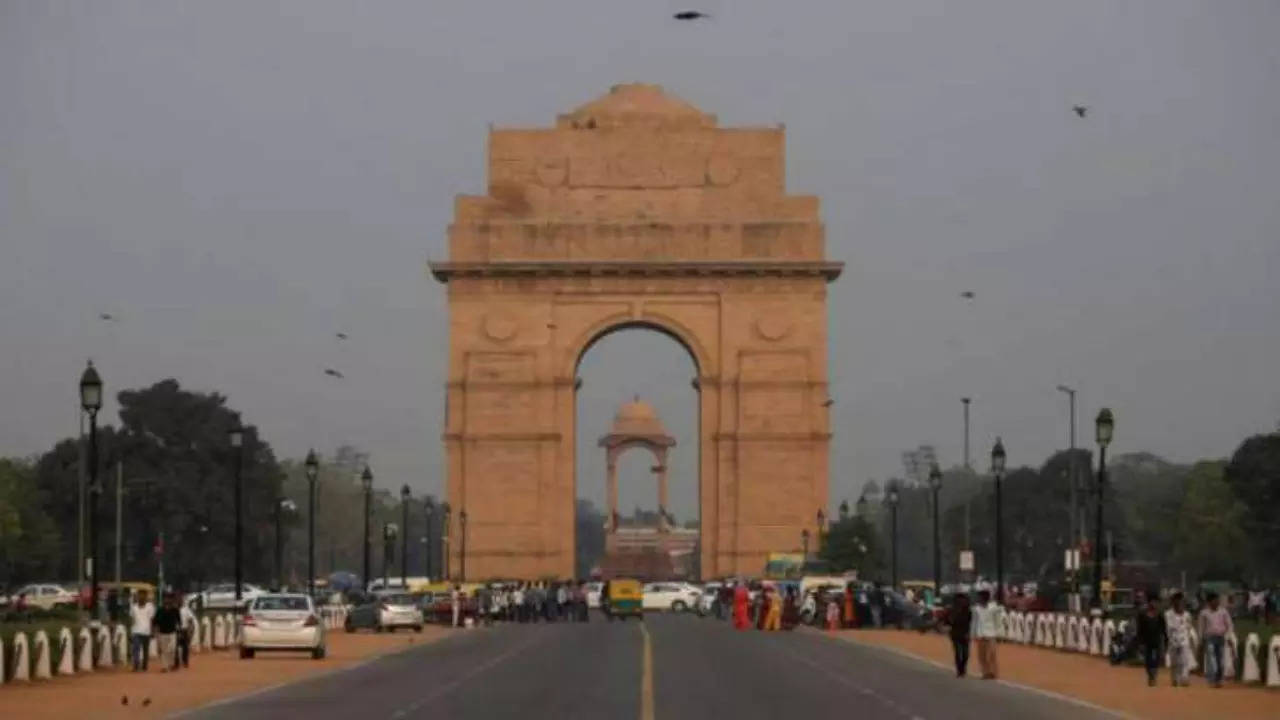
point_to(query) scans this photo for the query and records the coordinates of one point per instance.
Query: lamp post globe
(312, 467)
(366, 482)
(997, 470)
(1104, 427)
(91, 403)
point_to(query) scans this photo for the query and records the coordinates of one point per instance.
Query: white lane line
(882, 699)
(460, 680)
(1007, 683)
(646, 676)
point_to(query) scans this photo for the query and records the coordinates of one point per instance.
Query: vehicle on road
(673, 596)
(707, 599)
(384, 612)
(593, 593)
(286, 622)
(45, 596)
(223, 596)
(626, 599)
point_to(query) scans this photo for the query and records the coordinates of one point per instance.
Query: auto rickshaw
(625, 599)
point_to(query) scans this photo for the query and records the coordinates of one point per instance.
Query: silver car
(385, 612)
(282, 622)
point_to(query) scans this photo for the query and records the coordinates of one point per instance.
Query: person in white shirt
(985, 628)
(187, 624)
(140, 614)
(1177, 626)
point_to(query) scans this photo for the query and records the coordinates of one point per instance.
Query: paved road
(696, 669)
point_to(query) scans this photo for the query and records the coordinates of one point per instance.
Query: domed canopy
(637, 421)
(636, 104)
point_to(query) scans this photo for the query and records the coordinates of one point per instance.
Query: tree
(1254, 475)
(1210, 529)
(850, 544)
(29, 542)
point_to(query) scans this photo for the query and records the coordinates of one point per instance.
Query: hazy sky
(237, 181)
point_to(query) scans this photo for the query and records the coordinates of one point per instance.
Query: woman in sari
(740, 619)
(773, 611)
(850, 616)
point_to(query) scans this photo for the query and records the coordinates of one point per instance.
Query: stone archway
(635, 209)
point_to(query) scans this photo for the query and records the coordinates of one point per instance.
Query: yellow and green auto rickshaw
(625, 598)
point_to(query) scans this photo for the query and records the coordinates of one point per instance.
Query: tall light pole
(967, 467)
(935, 484)
(997, 469)
(462, 561)
(844, 510)
(1071, 461)
(1104, 426)
(891, 498)
(236, 436)
(91, 402)
(804, 547)
(445, 511)
(313, 472)
(404, 536)
(429, 508)
(822, 528)
(366, 481)
(388, 552)
(283, 505)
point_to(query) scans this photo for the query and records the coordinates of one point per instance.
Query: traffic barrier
(1230, 646)
(66, 653)
(1073, 633)
(1195, 651)
(153, 648)
(1044, 630)
(84, 654)
(1273, 662)
(21, 658)
(1249, 670)
(120, 639)
(1108, 635)
(219, 632)
(206, 633)
(43, 664)
(233, 630)
(1060, 634)
(103, 646)
(1096, 646)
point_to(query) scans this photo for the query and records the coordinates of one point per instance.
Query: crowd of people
(523, 602)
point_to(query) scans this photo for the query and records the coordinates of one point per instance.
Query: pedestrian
(187, 625)
(166, 622)
(772, 610)
(985, 629)
(725, 600)
(876, 599)
(517, 603)
(1151, 637)
(141, 613)
(1215, 624)
(961, 619)
(604, 601)
(833, 613)
(562, 602)
(850, 615)
(1177, 623)
(790, 610)
(741, 621)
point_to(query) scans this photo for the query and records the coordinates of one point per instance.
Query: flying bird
(106, 316)
(967, 295)
(1080, 110)
(333, 373)
(691, 15)
(828, 402)
(342, 336)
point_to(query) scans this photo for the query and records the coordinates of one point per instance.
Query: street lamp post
(462, 561)
(445, 511)
(935, 484)
(997, 469)
(861, 505)
(804, 545)
(892, 499)
(91, 403)
(388, 552)
(430, 511)
(279, 556)
(366, 481)
(844, 510)
(404, 537)
(822, 528)
(313, 472)
(236, 436)
(1104, 426)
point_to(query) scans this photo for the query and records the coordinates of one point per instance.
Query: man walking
(1177, 623)
(141, 613)
(961, 618)
(166, 626)
(1151, 636)
(1215, 623)
(187, 624)
(876, 601)
(985, 628)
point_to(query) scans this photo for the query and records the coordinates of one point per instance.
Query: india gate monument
(634, 210)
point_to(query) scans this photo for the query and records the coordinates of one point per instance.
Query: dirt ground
(212, 676)
(1093, 679)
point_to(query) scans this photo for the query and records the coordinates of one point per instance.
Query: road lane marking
(458, 681)
(646, 676)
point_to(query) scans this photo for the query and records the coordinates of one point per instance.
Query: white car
(223, 596)
(708, 597)
(673, 596)
(45, 596)
(281, 622)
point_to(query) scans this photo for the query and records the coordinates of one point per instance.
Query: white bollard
(84, 656)
(1073, 634)
(104, 647)
(153, 648)
(1230, 648)
(1250, 672)
(206, 633)
(1108, 635)
(66, 653)
(43, 665)
(1083, 632)
(21, 658)
(1096, 646)
(1060, 636)
(1273, 662)
(1195, 651)
(219, 632)
(120, 639)
(1, 661)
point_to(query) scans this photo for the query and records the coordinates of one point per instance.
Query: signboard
(966, 560)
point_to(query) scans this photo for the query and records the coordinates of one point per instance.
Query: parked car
(385, 612)
(673, 596)
(45, 596)
(281, 622)
(223, 596)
